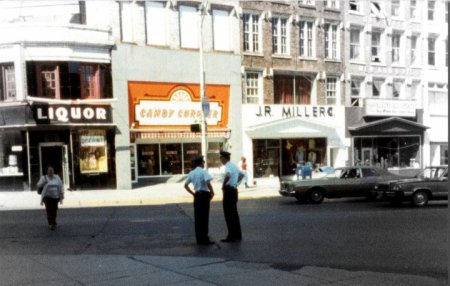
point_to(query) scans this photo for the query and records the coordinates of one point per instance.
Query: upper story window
(414, 52)
(395, 8)
(377, 86)
(306, 39)
(332, 90)
(332, 4)
(156, 23)
(126, 21)
(7, 82)
(431, 7)
(291, 89)
(69, 80)
(251, 33)
(413, 9)
(331, 41)
(280, 42)
(253, 87)
(355, 44)
(431, 51)
(306, 2)
(222, 30)
(396, 47)
(376, 46)
(189, 27)
(397, 88)
(356, 91)
(355, 5)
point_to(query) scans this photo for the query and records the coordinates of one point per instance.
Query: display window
(388, 152)
(93, 153)
(148, 160)
(12, 153)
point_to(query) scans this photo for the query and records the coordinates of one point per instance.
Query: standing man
(202, 196)
(230, 198)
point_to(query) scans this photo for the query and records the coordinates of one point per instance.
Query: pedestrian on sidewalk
(203, 193)
(232, 178)
(52, 194)
(243, 168)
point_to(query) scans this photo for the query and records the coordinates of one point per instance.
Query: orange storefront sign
(156, 105)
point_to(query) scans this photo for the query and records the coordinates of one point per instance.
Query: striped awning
(178, 134)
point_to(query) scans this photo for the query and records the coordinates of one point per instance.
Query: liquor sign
(175, 106)
(63, 114)
(386, 107)
(93, 152)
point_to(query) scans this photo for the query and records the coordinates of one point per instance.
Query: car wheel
(316, 196)
(420, 199)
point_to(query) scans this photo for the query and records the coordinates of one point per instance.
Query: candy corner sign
(175, 105)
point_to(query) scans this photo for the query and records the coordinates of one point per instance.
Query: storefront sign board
(63, 114)
(381, 107)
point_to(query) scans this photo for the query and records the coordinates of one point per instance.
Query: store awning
(178, 134)
(296, 128)
(388, 126)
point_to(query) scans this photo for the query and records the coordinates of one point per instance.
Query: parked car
(430, 184)
(355, 181)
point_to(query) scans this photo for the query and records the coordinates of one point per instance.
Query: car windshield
(431, 172)
(334, 174)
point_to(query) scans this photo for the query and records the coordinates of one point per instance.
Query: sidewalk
(166, 193)
(163, 270)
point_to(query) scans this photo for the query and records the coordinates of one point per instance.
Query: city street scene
(213, 142)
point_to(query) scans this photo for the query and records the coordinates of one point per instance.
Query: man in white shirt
(231, 180)
(203, 193)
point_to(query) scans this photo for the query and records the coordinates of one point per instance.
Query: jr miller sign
(63, 114)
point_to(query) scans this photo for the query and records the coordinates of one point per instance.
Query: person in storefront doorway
(232, 178)
(52, 194)
(203, 193)
(243, 168)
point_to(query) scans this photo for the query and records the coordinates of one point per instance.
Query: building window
(222, 30)
(290, 89)
(413, 9)
(431, 51)
(251, 33)
(332, 90)
(395, 8)
(306, 39)
(376, 46)
(156, 23)
(252, 87)
(397, 88)
(280, 36)
(414, 93)
(444, 154)
(332, 4)
(48, 80)
(126, 21)
(89, 75)
(356, 91)
(7, 82)
(414, 52)
(377, 85)
(431, 6)
(355, 5)
(396, 48)
(355, 44)
(438, 102)
(331, 41)
(306, 2)
(189, 27)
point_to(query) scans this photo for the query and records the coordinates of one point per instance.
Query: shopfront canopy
(296, 128)
(388, 126)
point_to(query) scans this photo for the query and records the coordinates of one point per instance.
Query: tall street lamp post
(203, 99)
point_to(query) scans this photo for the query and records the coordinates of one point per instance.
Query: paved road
(346, 234)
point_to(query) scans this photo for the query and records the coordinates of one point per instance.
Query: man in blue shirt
(203, 193)
(230, 198)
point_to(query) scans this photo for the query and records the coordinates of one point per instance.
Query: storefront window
(388, 152)
(12, 153)
(191, 150)
(214, 149)
(266, 154)
(171, 159)
(148, 160)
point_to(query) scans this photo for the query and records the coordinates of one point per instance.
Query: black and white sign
(64, 114)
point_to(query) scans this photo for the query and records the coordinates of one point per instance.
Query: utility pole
(203, 99)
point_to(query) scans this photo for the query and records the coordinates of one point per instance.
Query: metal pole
(204, 141)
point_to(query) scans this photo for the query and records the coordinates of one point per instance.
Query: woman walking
(52, 194)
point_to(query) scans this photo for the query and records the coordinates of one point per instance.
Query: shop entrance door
(55, 154)
(367, 156)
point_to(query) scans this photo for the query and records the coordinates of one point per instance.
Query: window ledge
(281, 56)
(331, 9)
(333, 60)
(358, 13)
(307, 6)
(358, 62)
(253, 54)
(308, 58)
(397, 65)
(378, 64)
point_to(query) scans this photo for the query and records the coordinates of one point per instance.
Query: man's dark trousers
(201, 215)
(230, 199)
(51, 207)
